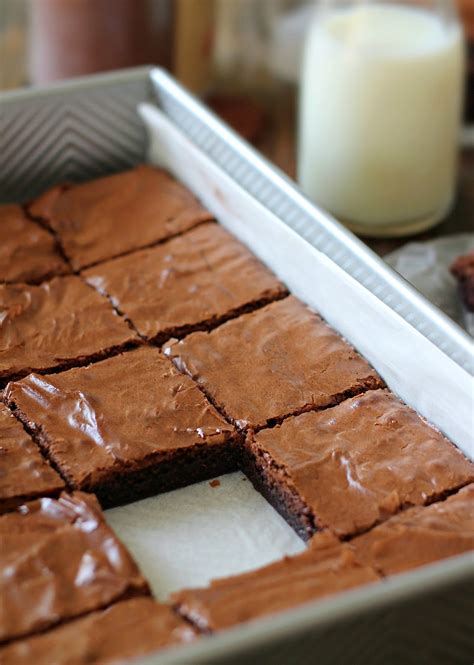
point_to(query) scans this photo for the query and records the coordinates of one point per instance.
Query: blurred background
(242, 56)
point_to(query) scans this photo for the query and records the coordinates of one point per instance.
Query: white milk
(380, 109)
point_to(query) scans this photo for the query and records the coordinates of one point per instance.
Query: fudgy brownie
(192, 282)
(24, 473)
(354, 465)
(318, 572)
(28, 253)
(111, 216)
(463, 270)
(266, 365)
(126, 630)
(59, 560)
(125, 427)
(60, 323)
(420, 536)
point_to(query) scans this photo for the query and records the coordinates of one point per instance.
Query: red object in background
(75, 37)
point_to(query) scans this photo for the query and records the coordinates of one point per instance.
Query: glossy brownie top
(128, 629)
(197, 279)
(361, 461)
(132, 408)
(57, 323)
(27, 252)
(119, 213)
(59, 559)
(24, 473)
(419, 536)
(278, 360)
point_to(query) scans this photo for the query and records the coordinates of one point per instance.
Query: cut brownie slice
(463, 270)
(278, 361)
(119, 213)
(318, 572)
(126, 427)
(127, 630)
(354, 465)
(60, 323)
(28, 253)
(192, 282)
(420, 536)
(24, 473)
(58, 560)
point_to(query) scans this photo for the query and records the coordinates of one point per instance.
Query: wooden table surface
(278, 144)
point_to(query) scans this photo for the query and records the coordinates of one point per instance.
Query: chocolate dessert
(28, 253)
(353, 465)
(264, 366)
(58, 324)
(463, 271)
(59, 560)
(116, 214)
(127, 630)
(193, 282)
(24, 473)
(126, 427)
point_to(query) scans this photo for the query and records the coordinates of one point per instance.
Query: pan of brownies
(146, 347)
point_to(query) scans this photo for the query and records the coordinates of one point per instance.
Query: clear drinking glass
(380, 110)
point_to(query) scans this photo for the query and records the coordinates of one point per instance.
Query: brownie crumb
(215, 483)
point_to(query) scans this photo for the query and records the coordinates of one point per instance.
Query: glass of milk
(380, 110)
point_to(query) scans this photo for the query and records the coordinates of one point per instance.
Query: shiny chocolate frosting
(199, 278)
(279, 360)
(117, 214)
(28, 253)
(58, 560)
(359, 462)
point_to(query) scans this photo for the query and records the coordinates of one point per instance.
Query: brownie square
(60, 323)
(127, 630)
(126, 427)
(463, 271)
(24, 473)
(266, 365)
(420, 536)
(318, 572)
(111, 216)
(192, 282)
(58, 560)
(354, 465)
(28, 253)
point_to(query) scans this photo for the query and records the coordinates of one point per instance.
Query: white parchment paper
(426, 266)
(187, 537)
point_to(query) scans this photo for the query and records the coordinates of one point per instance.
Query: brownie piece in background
(24, 473)
(127, 427)
(420, 536)
(280, 360)
(113, 215)
(463, 271)
(127, 630)
(192, 282)
(318, 572)
(59, 560)
(59, 323)
(28, 253)
(354, 465)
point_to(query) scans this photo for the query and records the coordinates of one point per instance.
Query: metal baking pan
(89, 127)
